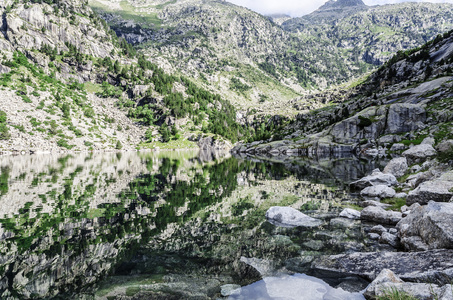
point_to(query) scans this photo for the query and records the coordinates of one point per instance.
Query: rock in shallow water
(294, 287)
(290, 217)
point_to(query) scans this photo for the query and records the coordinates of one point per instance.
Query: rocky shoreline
(420, 232)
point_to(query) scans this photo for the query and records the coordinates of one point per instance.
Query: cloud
(297, 8)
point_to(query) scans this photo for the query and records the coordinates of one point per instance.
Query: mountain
(260, 66)
(407, 100)
(341, 4)
(71, 84)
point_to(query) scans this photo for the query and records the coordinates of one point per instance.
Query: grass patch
(394, 294)
(396, 203)
(172, 144)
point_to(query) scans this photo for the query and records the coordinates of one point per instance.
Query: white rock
(381, 191)
(350, 213)
(290, 217)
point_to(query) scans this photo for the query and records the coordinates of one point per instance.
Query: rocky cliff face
(71, 84)
(405, 101)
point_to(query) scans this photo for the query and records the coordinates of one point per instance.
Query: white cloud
(296, 8)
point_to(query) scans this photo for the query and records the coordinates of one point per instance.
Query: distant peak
(336, 4)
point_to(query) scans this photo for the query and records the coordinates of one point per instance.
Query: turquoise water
(164, 225)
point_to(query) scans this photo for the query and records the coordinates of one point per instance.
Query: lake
(173, 225)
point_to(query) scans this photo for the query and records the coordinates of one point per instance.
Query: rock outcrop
(428, 227)
(434, 266)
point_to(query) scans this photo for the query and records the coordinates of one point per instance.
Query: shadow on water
(165, 223)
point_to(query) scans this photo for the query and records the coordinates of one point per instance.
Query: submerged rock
(435, 266)
(428, 227)
(294, 287)
(379, 215)
(290, 217)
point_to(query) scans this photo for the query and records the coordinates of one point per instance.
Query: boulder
(434, 266)
(437, 190)
(290, 217)
(428, 227)
(385, 276)
(404, 117)
(350, 213)
(420, 152)
(390, 239)
(376, 178)
(373, 236)
(387, 281)
(397, 167)
(381, 191)
(379, 215)
(445, 146)
(230, 289)
(379, 229)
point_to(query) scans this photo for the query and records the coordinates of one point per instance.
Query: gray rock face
(290, 217)
(350, 213)
(397, 167)
(377, 178)
(379, 215)
(420, 152)
(405, 117)
(381, 191)
(434, 266)
(428, 227)
(437, 190)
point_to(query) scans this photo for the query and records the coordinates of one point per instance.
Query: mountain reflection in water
(162, 225)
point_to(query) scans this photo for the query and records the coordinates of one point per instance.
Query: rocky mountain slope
(68, 83)
(260, 65)
(405, 101)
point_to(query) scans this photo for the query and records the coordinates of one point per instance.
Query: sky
(297, 8)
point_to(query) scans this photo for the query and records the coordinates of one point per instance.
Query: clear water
(166, 225)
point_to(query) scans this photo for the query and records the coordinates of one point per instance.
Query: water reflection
(136, 224)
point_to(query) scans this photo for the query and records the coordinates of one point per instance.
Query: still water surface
(170, 225)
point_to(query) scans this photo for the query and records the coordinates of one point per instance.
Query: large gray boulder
(436, 190)
(379, 215)
(397, 167)
(290, 217)
(387, 281)
(381, 191)
(433, 266)
(376, 178)
(420, 152)
(428, 227)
